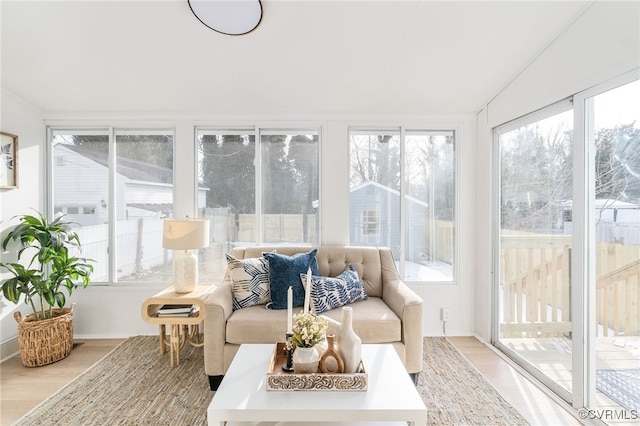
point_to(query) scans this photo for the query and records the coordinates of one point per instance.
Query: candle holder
(288, 366)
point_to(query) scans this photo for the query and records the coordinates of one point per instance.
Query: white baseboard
(9, 348)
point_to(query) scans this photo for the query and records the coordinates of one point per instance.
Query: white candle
(307, 291)
(289, 310)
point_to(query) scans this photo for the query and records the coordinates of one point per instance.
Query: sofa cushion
(329, 293)
(249, 281)
(373, 321)
(284, 272)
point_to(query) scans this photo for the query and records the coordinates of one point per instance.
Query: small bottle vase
(349, 343)
(331, 361)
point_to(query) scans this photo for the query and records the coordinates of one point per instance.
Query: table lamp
(184, 236)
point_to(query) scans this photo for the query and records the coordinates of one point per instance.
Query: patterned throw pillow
(250, 281)
(284, 271)
(329, 293)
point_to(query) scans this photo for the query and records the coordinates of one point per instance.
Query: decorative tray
(280, 380)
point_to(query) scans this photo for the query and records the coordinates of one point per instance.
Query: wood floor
(22, 388)
(533, 404)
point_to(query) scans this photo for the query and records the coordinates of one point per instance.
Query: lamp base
(185, 271)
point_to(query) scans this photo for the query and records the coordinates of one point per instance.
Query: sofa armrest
(407, 305)
(218, 308)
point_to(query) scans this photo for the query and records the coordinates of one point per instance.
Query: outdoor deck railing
(536, 287)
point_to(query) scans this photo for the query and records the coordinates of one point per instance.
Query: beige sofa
(391, 314)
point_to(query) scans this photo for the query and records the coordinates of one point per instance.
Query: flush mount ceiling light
(231, 17)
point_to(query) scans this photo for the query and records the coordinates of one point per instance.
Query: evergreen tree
(227, 170)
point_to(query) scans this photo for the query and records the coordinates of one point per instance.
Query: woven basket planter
(46, 341)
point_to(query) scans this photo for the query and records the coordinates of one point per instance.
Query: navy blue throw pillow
(284, 271)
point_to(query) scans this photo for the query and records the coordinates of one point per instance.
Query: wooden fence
(617, 294)
(536, 296)
(441, 244)
(277, 228)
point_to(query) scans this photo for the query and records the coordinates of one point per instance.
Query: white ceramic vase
(305, 360)
(349, 343)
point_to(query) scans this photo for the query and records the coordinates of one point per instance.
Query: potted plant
(308, 330)
(45, 335)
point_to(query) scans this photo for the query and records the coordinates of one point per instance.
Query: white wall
(602, 43)
(19, 118)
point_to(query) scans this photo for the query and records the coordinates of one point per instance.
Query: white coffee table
(242, 398)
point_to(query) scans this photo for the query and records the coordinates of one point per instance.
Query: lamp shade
(185, 234)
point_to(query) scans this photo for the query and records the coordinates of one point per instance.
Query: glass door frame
(551, 110)
(584, 356)
(583, 272)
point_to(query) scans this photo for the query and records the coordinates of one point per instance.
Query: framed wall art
(8, 160)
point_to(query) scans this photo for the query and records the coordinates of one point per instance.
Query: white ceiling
(306, 57)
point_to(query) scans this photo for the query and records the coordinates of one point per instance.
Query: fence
(617, 295)
(139, 243)
(442, 247)
(277, 228)
(536, 291)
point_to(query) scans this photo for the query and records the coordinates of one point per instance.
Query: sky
(618, 106)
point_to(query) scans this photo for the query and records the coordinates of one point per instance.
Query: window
(289, 186)
(117, 186)
(370, 223)
(257, 186)
(402, 196)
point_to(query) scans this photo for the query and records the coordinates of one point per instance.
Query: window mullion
(49, 210)
(257, 163)
(112, 212)
(403, 189)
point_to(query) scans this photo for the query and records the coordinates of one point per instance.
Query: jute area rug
(134, 385)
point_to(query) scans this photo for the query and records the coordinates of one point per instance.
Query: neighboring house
(142, 189)
(144, 196)
(374, 218)
(616, 221)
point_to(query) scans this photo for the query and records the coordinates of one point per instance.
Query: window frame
(368, 223)
(111, 130)
(402, 130)
(257, 131)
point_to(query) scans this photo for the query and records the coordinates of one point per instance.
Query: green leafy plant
(51, 268)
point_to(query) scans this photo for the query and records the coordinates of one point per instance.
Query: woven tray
(280, 380)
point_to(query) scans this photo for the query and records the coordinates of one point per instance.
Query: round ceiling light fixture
(231, 17)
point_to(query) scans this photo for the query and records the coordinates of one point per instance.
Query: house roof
(606, 203)
(370, 183)
(132, 169)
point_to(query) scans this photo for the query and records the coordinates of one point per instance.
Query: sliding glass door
(534, 296)
(613, 133)
(568, 248)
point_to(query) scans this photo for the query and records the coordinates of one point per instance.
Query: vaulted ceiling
(306, 57)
